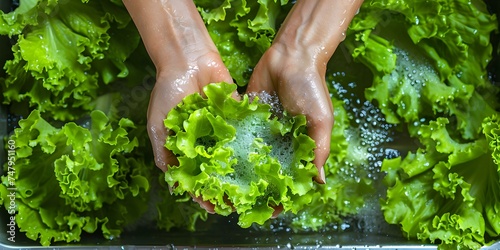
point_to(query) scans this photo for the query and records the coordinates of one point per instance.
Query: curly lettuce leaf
(428, 60)
(28, 13)
(491, 129)
(63, 58)
(77, 179)
(242, 30)
(178, 211)
(235, 155)
(449, 191)
(429, 65)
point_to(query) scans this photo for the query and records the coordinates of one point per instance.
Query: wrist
(178, 55)
(188, 63)
(173, 32)
(306, 53)
(183, 44)
(317, 27)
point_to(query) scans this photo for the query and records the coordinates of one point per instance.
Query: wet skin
(294, 67)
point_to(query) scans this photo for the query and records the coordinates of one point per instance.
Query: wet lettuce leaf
(429, 64)
(238, 155)
(178, 211)
(428, 60)
(77, 178)
(63, 58)
(242, 30)
(349, 182)
(456, 199)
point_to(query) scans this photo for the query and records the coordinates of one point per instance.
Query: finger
(204, 204)
(320, 130)
(223, 75)
(158, 133)
(162, 156)
(235, 95)
(219, 72)
(277, 211)
(260, 81)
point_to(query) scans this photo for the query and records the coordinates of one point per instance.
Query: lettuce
(456, 200)
(422, 64)
(77, 178)
(242, 30)
(433, 70)
(350, 179)
(239, 156)
(178, 211)
(429, 65)
(79, 89)
(90, 177)
(62, 58)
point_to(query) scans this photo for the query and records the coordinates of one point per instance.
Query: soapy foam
(282, 145)
(271, 100)
(248, 130)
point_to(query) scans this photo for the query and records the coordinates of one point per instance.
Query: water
(369, 134)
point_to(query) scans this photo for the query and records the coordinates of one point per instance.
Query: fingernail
(322, 175)
(170, 189)
(321, 178)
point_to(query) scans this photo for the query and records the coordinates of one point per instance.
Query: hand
(174, 83)
(294, 66)
(185, 58)
(300, 85)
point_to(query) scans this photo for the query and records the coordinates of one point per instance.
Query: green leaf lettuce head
(455, 200)
(77, 179)
(238, 155)
(429, 61)
(242, 30)
(62, 58)
(178, 211)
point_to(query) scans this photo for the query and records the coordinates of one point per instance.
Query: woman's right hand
(294, 67)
